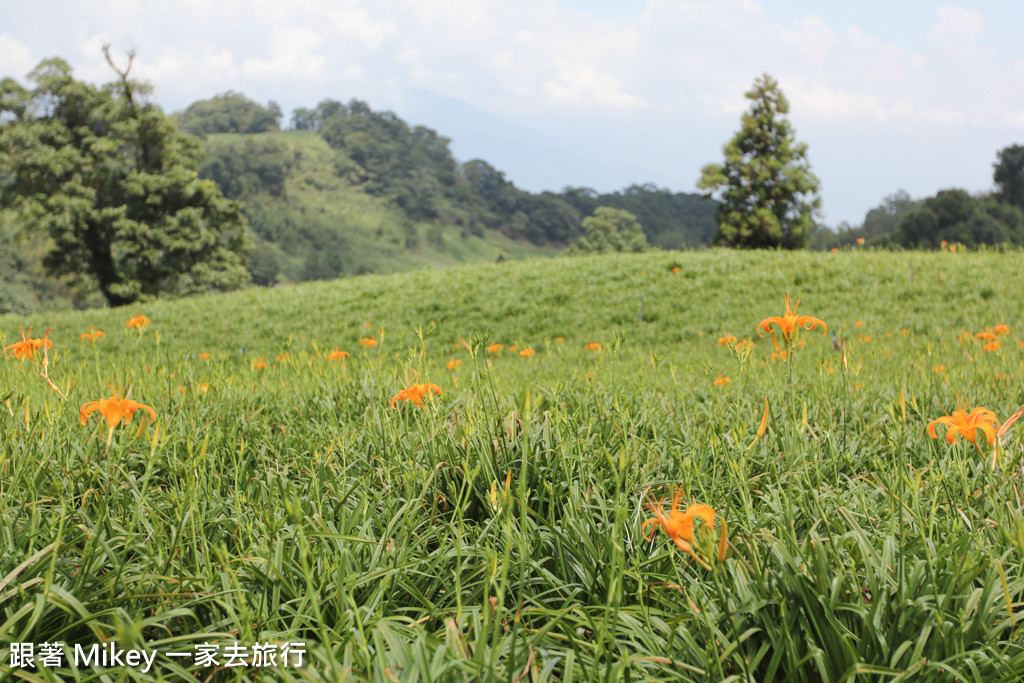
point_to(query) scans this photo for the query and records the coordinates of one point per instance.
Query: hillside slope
(577, 298)
(311, 221)
(352, 189)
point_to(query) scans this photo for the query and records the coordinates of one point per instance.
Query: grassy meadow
(497, 532)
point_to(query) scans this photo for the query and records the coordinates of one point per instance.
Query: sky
(909, 95)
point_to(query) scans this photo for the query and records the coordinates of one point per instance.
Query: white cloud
(582, 87)
(683, 65)
(1015, 119)
(16, 58)
(355, 23)
(910, 115)
(293, 55)
(814, 38)
(199, 73)
(823, 102)
(691, 57)
(957, 29)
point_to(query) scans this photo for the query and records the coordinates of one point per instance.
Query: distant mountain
(353, 189)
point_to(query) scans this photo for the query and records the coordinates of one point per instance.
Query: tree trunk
(104, 269)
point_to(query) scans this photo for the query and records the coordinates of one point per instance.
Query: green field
(292, 504)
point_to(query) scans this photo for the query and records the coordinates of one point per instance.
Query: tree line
(98, 187)
(951, 216)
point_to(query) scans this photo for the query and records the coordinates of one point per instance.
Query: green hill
(583, 297)
(311, 221)
(356, 190)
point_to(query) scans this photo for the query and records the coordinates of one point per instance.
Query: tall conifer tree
(769, 195)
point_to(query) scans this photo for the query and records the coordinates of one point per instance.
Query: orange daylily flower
(986, 336)
(835, 250)
(727, 340)
(1000, 329)
(205, 355)
(338, 354)
(992, 346)
(452, 364)
(967, 425)
(860, 240)
(26, 350)
(27, 347)
(720, 381)
(559, 339)
(675, 269)
(527, 352)
(495, 348)
(593, 346)
(368, 342)
(139, 321)
(943, 244)
(415, 393)
(939, 369)
(789, 323)
(679, 525)
(259, 363)
(92, 335)
(513, 349)
(115, 410)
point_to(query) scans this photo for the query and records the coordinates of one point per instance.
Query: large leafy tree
(610, 230)
(113, 184)
(769, 195)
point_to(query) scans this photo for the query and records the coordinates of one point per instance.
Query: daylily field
(498, 473)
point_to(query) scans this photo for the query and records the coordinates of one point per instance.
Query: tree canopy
(610, 230)
(955, 216)
(769, 195)
(1009, 175)
(230, 112)
(110, 180)
(671, 220)
(413, 167)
